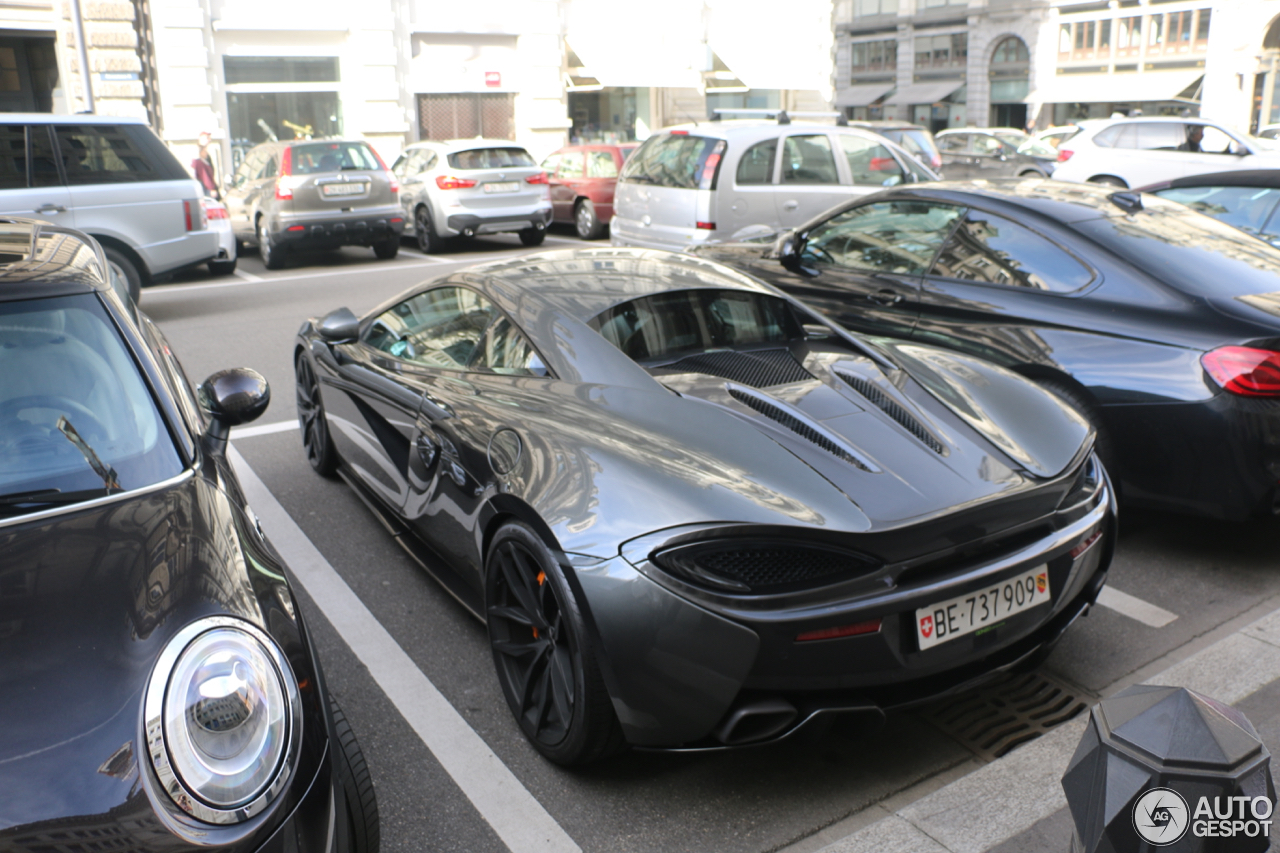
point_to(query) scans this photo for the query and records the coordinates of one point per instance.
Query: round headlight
(222, 720)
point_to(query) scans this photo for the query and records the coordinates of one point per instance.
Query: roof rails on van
(783, 116)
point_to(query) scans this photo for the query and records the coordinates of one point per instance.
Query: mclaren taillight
(540, 178)
(1245, 371)
(1064, 154)
(871, 626)
(449, 182)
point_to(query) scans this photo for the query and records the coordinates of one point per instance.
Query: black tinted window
(13, 156)
(756, 165)
(870, 163)
(44, 160)
(491, 158)
(992, 249)
(889, 236)
(102, 154)
(675, 160)
(668, 324)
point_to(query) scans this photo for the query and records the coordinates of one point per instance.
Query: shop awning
(661, 47)
(861, 96)
(767, 49)
(1117, 88)
(923, 93)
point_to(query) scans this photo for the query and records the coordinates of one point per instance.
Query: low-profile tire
(1109, 181)
(123, 266)
(1085, 405)
(273, 256)
(585, 222)
(387, 249)
(429, 242)
(544, 655)
(532, 236)
(316, 440)
(223, 267)
(363, 826)
(1030, 173)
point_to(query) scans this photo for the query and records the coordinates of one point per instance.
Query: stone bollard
(1168, 769)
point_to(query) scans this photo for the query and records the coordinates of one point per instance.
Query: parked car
(706, 182)
(1270, 131)
(224, 263)
(110, 177)
(470, 187)
(582, 179)
(694, 514)
(310, 194)
(160, 690)
(1157, 322)
(1245, 199)
(1139, 151)
(917, 140)
(981, 153)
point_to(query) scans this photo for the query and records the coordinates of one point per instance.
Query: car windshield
(490, 158)
(76, 418)
(332, 157)
(687, 321)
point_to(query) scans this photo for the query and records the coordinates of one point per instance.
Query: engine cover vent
(760, 369)
(891, 408)
(809, 432)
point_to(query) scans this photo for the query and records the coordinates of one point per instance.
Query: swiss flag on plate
(926, 626)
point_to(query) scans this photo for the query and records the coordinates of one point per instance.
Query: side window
(987, 145)
(44, 160)
(870, 163)
(248, 166)
(102, 154)
(1246, 208)
(756, 165)
(600, 164)
(268, 169)
(992, 249)
(571, 165)
(550, 164)
(1159, 136)
(1108, 137)
(13, 156)
(954, 143)
(1215, 141)
(504, 350)
(436, 328)
(808, 160)
(888, 237)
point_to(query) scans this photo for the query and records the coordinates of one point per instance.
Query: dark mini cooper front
(158, 691)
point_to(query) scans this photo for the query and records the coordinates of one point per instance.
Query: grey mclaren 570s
(694, 514)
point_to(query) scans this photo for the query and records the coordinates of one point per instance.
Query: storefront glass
(609, 115)
(294, 111)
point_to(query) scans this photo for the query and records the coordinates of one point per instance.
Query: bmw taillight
(1064, 154)
(449, 182)
(540, 178)
(1245, 371)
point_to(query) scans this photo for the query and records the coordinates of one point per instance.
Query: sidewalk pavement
(1016, 804)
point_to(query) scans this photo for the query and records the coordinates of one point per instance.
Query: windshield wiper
(110, 480)
(18, 502)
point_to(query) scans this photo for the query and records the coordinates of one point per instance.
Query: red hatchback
(582, 182)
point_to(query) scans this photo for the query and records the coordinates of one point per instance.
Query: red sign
(493, 78)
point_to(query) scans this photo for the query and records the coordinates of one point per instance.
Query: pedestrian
(203, 167)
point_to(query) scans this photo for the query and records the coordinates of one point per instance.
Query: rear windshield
(917, 142)
(490, 158)
(688, 321)
(676, 160)
(333, 157)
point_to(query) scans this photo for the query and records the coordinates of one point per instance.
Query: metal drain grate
(992, 720)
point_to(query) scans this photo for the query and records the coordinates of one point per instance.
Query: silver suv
(706, 182)
(314, 194)
(112, 178)
(472, 186)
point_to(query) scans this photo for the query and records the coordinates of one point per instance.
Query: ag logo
(1160, 816)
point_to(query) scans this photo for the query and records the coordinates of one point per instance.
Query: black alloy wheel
(364, 830)
(273, 256)
(532, 236)
(428, 241)
(1109, 181)
(585, 221)
(315, 429)
(543, 653)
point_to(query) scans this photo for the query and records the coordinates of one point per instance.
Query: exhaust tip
(468, 232)
(759, 720)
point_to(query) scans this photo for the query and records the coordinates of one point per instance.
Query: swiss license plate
(502, 186)
(948, 620)
(343, 189)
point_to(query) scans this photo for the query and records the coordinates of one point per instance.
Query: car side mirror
(232, 397)
(339, 326)
(790, 246)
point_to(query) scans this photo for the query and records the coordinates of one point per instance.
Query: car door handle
(885, 297)
(790, 205)
(51, 208)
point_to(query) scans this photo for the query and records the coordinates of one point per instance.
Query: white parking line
(247, 276)
(1135, 608)
(513, 813)
(263, 429)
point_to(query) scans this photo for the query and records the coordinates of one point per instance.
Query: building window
(934, 4)
(280, 97)
(280, 69)
(864, 8)
(462, 115)
(1130, 42)
(871, 56)
(947, 51)
(609, 115)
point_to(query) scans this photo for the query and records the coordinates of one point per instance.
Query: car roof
(756, 128)
(39, 259)
(454, 145)
(1267, 178)
(1059, 201)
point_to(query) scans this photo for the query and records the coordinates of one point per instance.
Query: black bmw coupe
(1160, 324)
(158, 691)
(692, 513)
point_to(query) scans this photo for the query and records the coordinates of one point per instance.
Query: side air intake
(891, 408)
(797, 424)
(760, 369)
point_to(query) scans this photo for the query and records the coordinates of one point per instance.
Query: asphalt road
(1205, 574)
